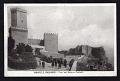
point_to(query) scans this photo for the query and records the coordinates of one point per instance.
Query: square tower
(18, 27)
(51, 42)
(19, 18)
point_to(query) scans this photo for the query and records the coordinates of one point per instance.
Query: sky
(75, 25)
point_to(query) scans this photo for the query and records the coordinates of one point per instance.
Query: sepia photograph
(60, 40)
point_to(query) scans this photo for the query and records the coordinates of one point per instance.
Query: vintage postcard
(65, 40)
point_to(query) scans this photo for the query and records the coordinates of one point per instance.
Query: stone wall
(34, 41)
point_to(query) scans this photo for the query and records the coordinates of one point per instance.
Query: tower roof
(19, 9)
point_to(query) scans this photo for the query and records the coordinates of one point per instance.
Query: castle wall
(34, 41)
(51, 42)
(86, 50)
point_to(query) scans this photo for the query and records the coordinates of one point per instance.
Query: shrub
(11, 44)
(21, 47)
(23, 59)
(28, 48)
(27, 61)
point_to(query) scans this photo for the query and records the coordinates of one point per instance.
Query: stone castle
(19, 32)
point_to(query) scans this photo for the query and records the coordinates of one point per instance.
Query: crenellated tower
(51, 42)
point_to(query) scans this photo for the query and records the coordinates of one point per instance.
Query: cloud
(92, 25)
(90, 35)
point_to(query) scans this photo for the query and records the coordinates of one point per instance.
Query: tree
(21, 47)
(11, 42)
(28, 48)
(41, 42)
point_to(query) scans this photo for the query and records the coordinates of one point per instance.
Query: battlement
(50, 34)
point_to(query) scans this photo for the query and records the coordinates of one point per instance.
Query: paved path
(74, 66)
(48, 67)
